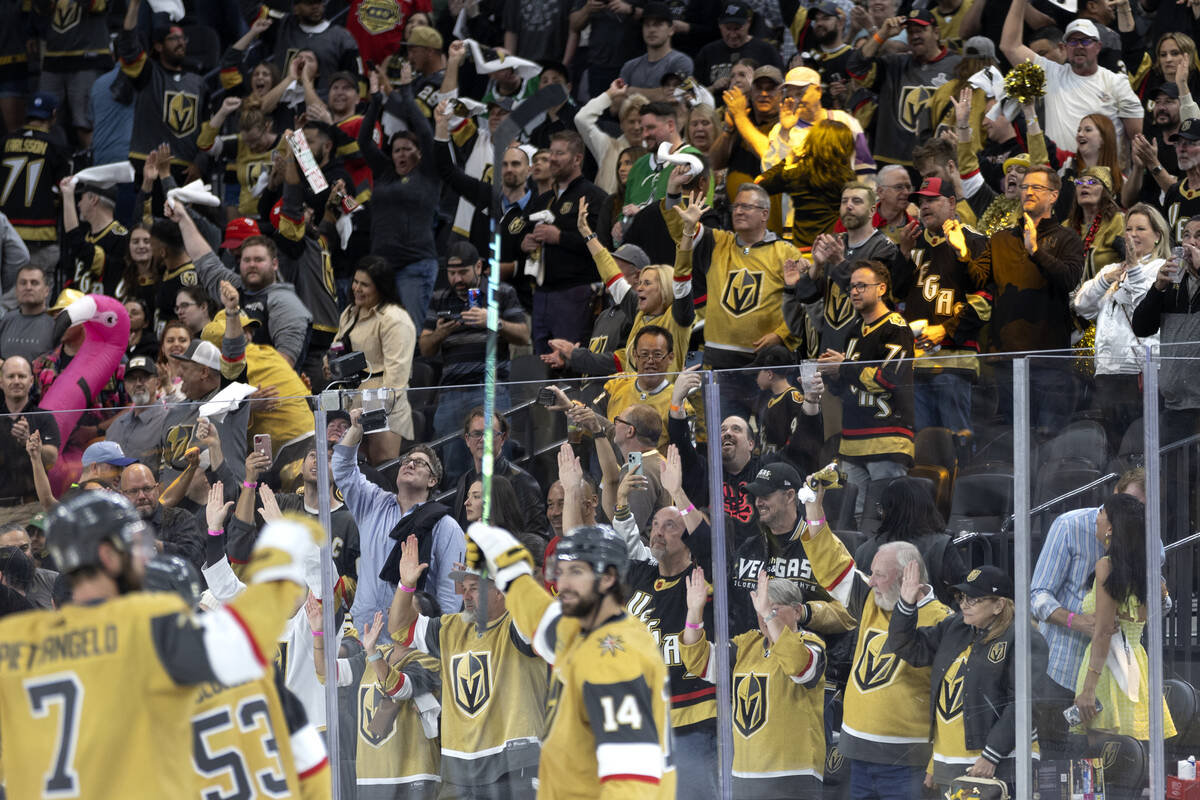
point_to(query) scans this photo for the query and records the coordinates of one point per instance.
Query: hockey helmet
(77, 526)
(170, 573)
(598, 545)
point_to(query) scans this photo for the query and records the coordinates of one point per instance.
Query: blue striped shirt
(1060, 580)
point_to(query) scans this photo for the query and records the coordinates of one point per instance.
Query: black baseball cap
(735, 14)
(1169, 89)
(773, 356)
(826, 7)
(656, 10)
(935, 187)
(774, 477)
(1190, 130)
(107, 192)
(986, 581)
(141, 364)
(920, 16)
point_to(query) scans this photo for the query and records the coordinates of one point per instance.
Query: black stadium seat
(982, 500)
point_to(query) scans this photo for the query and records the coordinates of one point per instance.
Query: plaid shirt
(1060, 580)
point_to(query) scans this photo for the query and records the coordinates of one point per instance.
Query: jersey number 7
(63, 690)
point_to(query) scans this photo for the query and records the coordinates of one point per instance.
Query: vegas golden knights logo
(875, 668)
(378, 16)
(1109, 753)
(471, 673)
(997, 652)
(177, 444)
(834, 762)
(742, 291)
(950, 698)
(67, 14)
(180, 111)
(838, 310)
(370, 698)
(516, 225)
(749, 703)
(913, 100)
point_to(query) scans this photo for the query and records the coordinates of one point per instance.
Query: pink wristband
(318, 633)
(695, 626)
(813, 523)
(215, 531)
(249, 484)
(404, 588)
(1070, 616)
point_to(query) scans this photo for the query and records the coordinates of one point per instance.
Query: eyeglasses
(968, 602)
(477, 435)
(181, 306)
(134, 491)
(420, 462)
(748, 207)
(1034, 187)
(650, 356)
(624, 422)
(862, 287)
(1082, 41)
(1086, 181)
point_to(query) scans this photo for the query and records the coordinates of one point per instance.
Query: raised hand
(206, 432)
(569, 470)
(670, 474)
(962, 106)
(793, 270)
(697, 592)
(1030, 235)
(216, 509)
(953, 230)
(371, 632)
(759, 595)
(270, 506)
(735, 102)
(411, 569)
(581, 222)
(256, 464)
(230, 297)
(312, 610)
(33, 445)
(457, 53)
(910, 586)
(691, 212)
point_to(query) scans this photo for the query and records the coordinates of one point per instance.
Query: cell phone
(448, 315)
(635, 463)
(1073, 717)
(546, 396)
(262, 444)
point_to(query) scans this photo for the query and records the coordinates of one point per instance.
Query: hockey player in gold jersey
(609, 734)
(250, 739)
(885, 724)
(121, 656)
(778, 687)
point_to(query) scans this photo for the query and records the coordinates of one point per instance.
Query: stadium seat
(1084, 439)
(1125, 762)
(1132, 444)
(982, 500)
(1064, 475)
(1184, 705)
(936, 459)
(839, 507)
(526, 368)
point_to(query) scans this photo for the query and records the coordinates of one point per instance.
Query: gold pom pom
(1025, 82)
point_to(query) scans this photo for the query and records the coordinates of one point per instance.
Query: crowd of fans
(769, 190)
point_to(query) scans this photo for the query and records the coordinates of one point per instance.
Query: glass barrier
(996, 462)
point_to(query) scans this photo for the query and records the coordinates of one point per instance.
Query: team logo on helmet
(749, 703)
(471, 673)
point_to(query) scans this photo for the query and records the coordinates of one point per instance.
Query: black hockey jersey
(32, 165)
(877, 395)
(169, 106)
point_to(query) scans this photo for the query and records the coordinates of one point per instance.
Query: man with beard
(169, 100)
(831, 56)
(715, 61)
(176, 531)
(885, 724)
(307, 29)
(1155, 154)
(495, 689)
(608, 733)
(564, 295)
(647, 182)
(139, 431)
(731, 148)
(834, 256)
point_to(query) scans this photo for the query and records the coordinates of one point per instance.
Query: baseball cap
(106, 453)
(1190, 130)
(802, 77)
(827, 7)
(203, 353)
(214, 331)
(773, 356)
(239, 230)
(986, 581)
(656, 10)
(1021, 160)
(342, 75)
(42, 106)
(1169, 89)
(920, 16)
(458, 574)
(141, 364)
(769, 72)
(979, 47)
(772, 478)
(632, 254)
(38, 522)
(107, 192)
(735, 14)
(935, 187)
(423, 36)
(1084, 26)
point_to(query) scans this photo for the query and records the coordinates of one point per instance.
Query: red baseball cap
(239, 230)
(935, 187)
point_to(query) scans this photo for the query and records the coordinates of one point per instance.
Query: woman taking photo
(784, 665)
(404, 198)
(377, 325)
(1115, 669)
(1109, 298)
(1098, 220)
(971, 656)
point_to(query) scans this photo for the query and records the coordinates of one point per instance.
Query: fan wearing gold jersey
(609, 734)
(65, 676)
(778, 690)
(495, 686)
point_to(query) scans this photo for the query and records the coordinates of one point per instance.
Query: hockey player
(609, 734)
(118, 654)
(253, 736)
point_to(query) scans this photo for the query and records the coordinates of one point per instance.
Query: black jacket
(989, 713)
(528, 490)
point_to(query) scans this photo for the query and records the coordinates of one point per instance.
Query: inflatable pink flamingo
(106, 335)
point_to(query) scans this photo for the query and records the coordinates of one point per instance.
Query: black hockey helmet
(598, 545)
(77, 526)
(170, 573)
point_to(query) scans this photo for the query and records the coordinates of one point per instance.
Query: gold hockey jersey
(778, 711)
(886, 714)
(609, 734)
(68, 677)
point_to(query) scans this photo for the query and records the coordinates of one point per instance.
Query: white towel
(172, 8)
(428, 709)
(195, 193)
(105, 175)
(525, 69)
(225, 401)
(1123, 665)
(692, 163)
